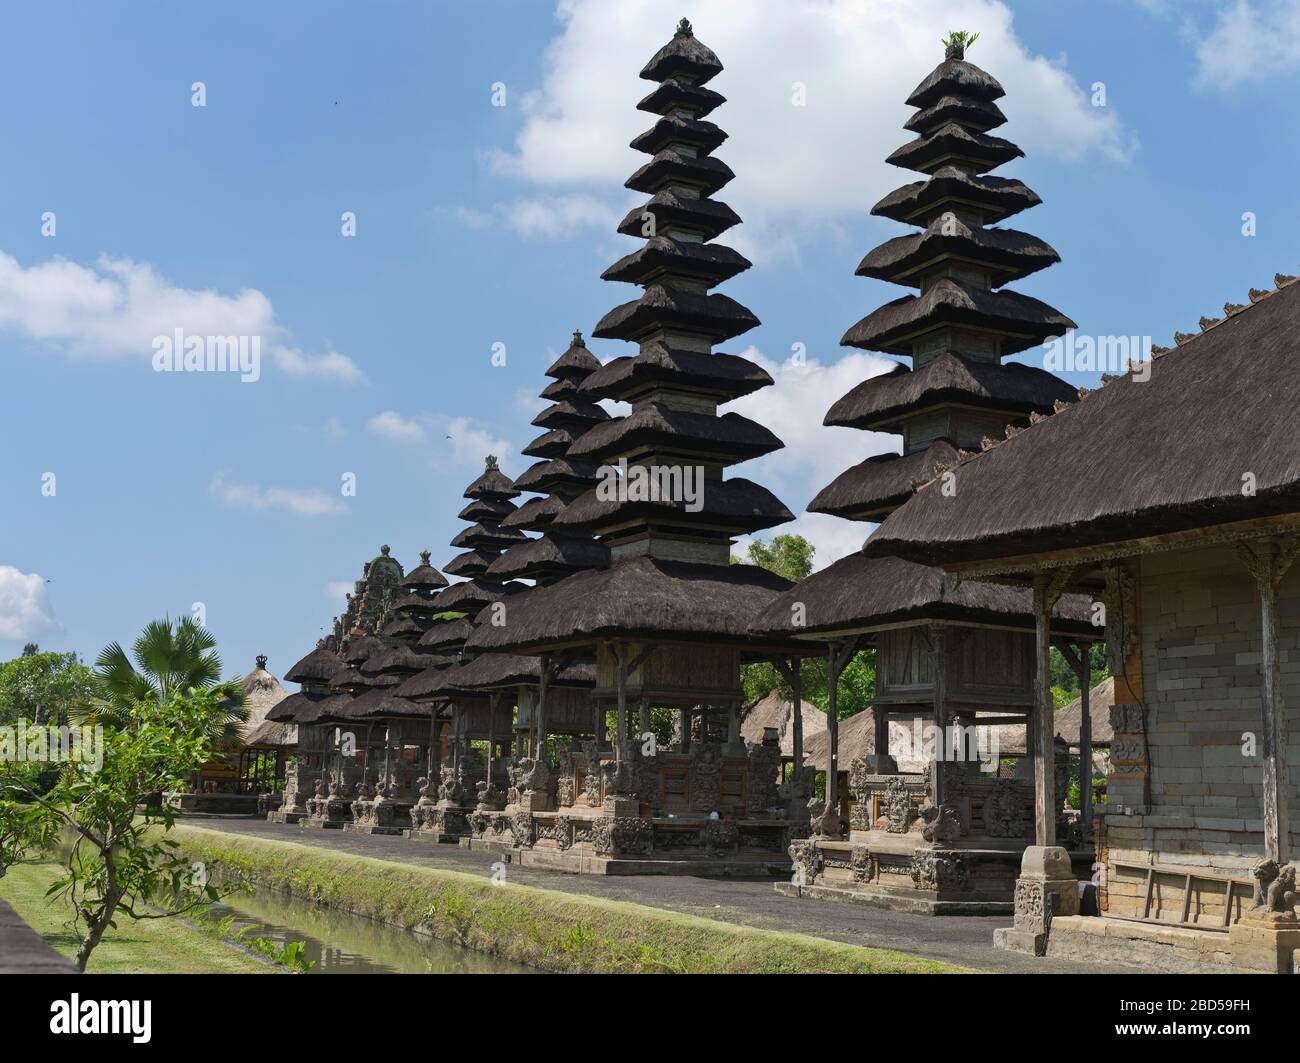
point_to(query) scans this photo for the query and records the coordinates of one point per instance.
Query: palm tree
(166, 659)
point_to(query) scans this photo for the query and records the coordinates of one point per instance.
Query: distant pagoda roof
(872, 488)
(493, 484)
(424, 576)
(575, 362)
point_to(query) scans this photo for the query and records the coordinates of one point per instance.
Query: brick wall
(1200, 645)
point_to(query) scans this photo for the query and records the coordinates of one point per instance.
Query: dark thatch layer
(1012, 387)
(857, 592)
(548, 475)
(324, 710)
(955, 77)
(472, 595)
(319, 666)
(1009, 253)
(1125, 449)
(882, 481)
(383, 704)
(493, 484)
(536, 514)
(570, 413)
(556, 390)
(424, 576)
(548, 556)
(269, 734)
(708, 217)
(488, 538)
(678, 92)
(400, 658)
(556, 442)
(450, 634)
(290, 709)
(726, 375)
(662, 255)
(655, 426)
(719, 317)
(675, 129)
(1025, 321)
(403, 626)
(737, 504)
(470, 564)
(359, 649)
(683, 55)
(671, 166)
(426, 683)
(638, 598)
(954, 142)
(577, 361)
(509, 669)
(487, 509)
(996, 197)
(979, 115)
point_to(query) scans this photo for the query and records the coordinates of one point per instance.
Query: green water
(341, 943)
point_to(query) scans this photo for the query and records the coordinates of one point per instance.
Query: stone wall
(1201, 808)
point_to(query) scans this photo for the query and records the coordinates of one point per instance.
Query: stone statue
(1274, 887)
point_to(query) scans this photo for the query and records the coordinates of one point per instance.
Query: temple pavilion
(1192, 555)
(961, 655)
(667, 621)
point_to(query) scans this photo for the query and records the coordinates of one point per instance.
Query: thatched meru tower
(667, 620)
(461, 711)
(360, 746)
(947, 652)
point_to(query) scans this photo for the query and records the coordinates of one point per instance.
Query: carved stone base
(1265, 941)
(1046, 888)
(285, 817)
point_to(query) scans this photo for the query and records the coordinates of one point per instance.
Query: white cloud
(116, 309)
(1249, 42)
(813, 163)
(298, 501)
(338, 589)
(831, 537)
(546, 217)
(794, 408)
(25, 610)
(393, 426)
(468, 443)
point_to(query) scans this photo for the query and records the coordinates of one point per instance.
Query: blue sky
(478, 225)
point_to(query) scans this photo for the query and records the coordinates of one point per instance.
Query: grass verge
(542, 928)
(153, 946)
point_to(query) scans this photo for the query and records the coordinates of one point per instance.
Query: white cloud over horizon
(116, 308)
(26, 613)
(256, 498)
(806, 165)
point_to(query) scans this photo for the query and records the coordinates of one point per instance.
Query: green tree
(43, 687)
(116, 861)
(167, 659)
(787, 555)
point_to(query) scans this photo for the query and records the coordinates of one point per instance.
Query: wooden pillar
(643, 719)
(543, 684)
(832, 729)
(1085, 736)
(938, 782)
(491, 734)
(620, 681)
(457, 736)
(796, 693)
(1267, 563)
(688, 721)
(1047, 589)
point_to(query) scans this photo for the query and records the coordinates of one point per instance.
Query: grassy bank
(542, 928)
(154, 946)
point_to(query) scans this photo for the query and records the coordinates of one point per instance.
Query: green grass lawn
(154, 946)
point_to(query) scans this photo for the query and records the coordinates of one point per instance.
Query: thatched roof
(1009, 253)
(262, 691)
(1220, 405)
(424, 575)
(292, 708)
(319, 666)
(656, 427)
(1012, 387)
(725, 374)
(778, 712)
(883, 481)
(736, 503)
(997, 197)
(685, 55)
(1069, 717)
(955, 77)
(641, 597)
(271, 733)
(857, 592)
(1022, 320)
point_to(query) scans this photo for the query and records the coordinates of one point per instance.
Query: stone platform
(915, 902)
(1144, 946)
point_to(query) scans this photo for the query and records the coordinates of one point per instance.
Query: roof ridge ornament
(490, 463)
(684, 29)
(1281, 280)
(261, 661)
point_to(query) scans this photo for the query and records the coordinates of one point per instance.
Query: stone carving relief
(936, 870)
(704, 778)
(1004, 811)
(942, 824)
(807, 861)
(720, 837)
(897, 807)
(1274, 887)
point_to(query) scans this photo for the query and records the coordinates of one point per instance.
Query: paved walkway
(23, 951)
(964, 940)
